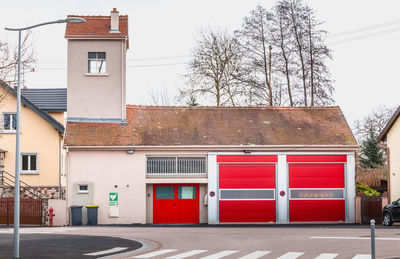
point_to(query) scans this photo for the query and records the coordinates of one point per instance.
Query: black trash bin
(92, 214)
(76, 215)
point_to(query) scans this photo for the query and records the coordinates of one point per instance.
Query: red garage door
(247, 189)
(317, 187)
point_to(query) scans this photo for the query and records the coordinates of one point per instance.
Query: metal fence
(183, 166)
(30, 211)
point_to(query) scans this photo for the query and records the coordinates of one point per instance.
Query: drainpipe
(59, 167)
(388, 168)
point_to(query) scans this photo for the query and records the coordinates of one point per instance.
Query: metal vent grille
(176, 166)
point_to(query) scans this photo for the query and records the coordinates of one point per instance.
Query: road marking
(255, 255)
(155, 253)
(220, 254)
(187, 254)
(326, 256)
(360, 256)
(290, 255)
(360, 238)
(108, 251)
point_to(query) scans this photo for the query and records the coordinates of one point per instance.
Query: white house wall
(106, 171)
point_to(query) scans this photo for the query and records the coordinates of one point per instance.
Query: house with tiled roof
(390, 139)
(161, 165)
(42, 131)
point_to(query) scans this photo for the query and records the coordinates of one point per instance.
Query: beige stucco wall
(393, 142)
(37, 136)
(96, 96)
(116, 171)
(60, 210)
(59, 116)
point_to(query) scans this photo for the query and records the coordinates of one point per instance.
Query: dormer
(96, 77)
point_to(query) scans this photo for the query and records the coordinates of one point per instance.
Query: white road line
(155, 253)
(220, 254)
(108, 251)
(290, 255)
(360, 256)
(359, 238)
(255, 255)
(326, 256)
(187, 254)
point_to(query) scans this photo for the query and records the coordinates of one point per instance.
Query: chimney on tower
(114, 21)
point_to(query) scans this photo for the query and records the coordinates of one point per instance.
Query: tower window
(97, 62)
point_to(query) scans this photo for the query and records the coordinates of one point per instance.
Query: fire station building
(179, 165)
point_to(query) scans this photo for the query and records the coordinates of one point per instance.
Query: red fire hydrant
(51, 215)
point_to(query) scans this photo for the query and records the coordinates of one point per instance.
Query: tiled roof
(96, 26)
(188, 126)
(43, 114)
(47, 99)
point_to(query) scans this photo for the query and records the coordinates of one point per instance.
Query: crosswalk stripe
(255, 255)
(108, 251)
(362, 256)
(187, 254)
(326, 256)
(290, 255)
(155, 253)
(220, 254)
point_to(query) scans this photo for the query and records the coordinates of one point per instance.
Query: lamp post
(18, 131)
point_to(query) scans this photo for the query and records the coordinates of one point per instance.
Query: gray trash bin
(76, 215)
(92, 214)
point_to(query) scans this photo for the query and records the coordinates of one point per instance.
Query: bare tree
(298, 64)
(9, 58)
(255, 39)
(215, 69)
(297, 17)
(161, 98)
(282, 39)
(319, 77)
(374, 121)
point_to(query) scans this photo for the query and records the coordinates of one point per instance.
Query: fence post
(372, 239)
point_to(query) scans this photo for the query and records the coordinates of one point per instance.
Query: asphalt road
(208, 242)
(288, 242)
(61, 246)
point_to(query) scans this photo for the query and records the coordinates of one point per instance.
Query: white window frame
(97, 62)
(83, 191)
(11, 122)
(29, 171)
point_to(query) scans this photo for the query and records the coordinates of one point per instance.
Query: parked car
(391, 213)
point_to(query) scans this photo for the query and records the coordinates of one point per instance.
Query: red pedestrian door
(176, 204)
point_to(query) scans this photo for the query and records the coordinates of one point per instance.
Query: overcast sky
(162, 34)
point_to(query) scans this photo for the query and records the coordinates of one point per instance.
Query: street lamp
(18, 131)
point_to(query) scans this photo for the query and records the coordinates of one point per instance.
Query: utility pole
(269, 81)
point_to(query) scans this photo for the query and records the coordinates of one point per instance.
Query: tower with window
(97, 67)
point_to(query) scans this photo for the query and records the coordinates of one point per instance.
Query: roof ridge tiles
(234, 107)
(97, 16)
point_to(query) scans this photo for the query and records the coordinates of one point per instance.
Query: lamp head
(75, 20)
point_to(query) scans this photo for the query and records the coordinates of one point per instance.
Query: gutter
(228, 147)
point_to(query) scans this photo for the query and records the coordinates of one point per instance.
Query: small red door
(176, 204)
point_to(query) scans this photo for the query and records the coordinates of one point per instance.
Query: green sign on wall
(113, 198)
